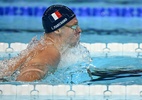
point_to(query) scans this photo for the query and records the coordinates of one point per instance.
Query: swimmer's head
(55, 17)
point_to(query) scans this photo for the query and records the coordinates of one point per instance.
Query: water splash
(5, 64)
(75, 60)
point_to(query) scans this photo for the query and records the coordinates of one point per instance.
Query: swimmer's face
(71, 32)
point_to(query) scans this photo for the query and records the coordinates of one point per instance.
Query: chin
(75, 44)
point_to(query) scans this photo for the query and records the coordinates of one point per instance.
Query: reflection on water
(116, 70)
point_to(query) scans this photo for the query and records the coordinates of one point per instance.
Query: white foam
(72, 61)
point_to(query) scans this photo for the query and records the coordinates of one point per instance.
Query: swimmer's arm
(40, 65)
(30, 75)
(11, 68)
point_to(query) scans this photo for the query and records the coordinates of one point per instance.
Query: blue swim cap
(55, 17)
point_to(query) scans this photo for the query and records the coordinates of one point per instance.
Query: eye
(74, 27)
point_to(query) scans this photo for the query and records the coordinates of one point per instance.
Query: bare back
(40, 61)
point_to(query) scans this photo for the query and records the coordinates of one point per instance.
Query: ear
(58, 31)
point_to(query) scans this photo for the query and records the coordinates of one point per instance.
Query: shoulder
(47, 55)
(50, 50)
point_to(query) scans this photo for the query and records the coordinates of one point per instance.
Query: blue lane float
(80, 11)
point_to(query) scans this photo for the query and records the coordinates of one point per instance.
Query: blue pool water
(11, 37)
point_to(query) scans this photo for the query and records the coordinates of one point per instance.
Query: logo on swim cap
(55, 17)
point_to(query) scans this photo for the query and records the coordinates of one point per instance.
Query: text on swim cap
(59, 24)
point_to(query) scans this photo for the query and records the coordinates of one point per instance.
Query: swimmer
(61, 33)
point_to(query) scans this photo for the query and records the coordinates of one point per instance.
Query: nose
(78, 29)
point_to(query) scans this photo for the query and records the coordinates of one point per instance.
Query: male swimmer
(61, 33)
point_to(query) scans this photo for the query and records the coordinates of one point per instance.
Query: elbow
(30, 76)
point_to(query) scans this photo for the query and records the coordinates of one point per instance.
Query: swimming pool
(77, 84)
(110, 52)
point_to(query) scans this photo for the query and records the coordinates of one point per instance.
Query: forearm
(30, 75)
(11, 67)
(13, 64)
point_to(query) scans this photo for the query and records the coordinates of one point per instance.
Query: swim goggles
(74, 27)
